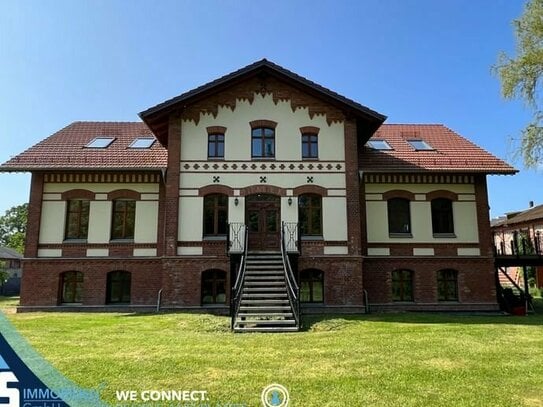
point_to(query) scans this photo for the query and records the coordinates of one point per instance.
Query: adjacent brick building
(395, 214)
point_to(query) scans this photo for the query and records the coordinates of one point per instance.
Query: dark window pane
(305, 150)
(71, 287)
(399, 218)
(269, 147)
(311, 286)
(253, 221)
(220, 149)
(211, 150)
(442, 216)
(118, 287)
(271, 221)
(447, 285)
(213, 287)
(257, 148)
(310, 214)
(215, 214)
(269, 133)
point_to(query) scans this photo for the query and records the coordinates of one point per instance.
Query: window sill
(121, 241)
(310, 158)
(215, 237)
(448, 301)
(401, 235)
(310, 238)
(263, 158)
(215, 158)
(74, 241)
(444, 235)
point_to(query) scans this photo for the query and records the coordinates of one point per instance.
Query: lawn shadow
(324, 322)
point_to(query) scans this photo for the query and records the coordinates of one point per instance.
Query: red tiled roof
(451, 152)
(66, 149)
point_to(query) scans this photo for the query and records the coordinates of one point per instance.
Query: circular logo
(274, 395)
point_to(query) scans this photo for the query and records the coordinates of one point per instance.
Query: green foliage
(13, 227)
(521, 78)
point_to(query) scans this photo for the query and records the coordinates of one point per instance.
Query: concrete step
(265, 289)
(264, 308)
(246, 301)
(267, 329)
(264, 295)
(264, 283)
(265, 314)
(268, 322)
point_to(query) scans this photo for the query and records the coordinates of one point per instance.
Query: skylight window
(142, 142)
(100, 142)
(378, 145)
(420, 145)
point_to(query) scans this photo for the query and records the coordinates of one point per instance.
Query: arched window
(215, 214)
(310, 214)
(124, 219)
(118, 287)
(399, 216)
(77, 219)
(213, 287)
(71, 287)
(263, 142)
(442, 216)
(310, 146)
(402, 285)
(447, 285)
(311, 286)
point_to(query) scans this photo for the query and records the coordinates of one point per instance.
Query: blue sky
(416, 61)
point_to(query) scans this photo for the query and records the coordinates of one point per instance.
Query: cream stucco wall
(330, 175)
(53, 219)
(238, 133)
(464, 214)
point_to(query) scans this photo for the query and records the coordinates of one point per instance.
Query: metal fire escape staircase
(265, 296)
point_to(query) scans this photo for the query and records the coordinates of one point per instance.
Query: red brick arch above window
(399, 193)
(215, 189)
(310, 189)
(78, 194)
(263, 189)
(309, 130)
(263, 123)
(124, 194)
(430, 196)
(216, 130)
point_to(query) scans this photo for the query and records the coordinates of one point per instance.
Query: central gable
(262, 87)
(262, 77)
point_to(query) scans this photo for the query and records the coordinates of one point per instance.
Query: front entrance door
(262, 215)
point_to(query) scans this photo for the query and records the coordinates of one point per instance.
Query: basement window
(379, 145)
(100, 142)
(142, 142)
(420, 145)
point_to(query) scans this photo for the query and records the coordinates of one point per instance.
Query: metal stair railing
(235, 294)
(293, 290)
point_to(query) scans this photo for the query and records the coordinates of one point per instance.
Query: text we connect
(161, 395)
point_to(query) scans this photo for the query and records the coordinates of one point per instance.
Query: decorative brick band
(398, 193)
(441, 194)
(115, 177)
(124, 194)
(309, 129)
(310, 189)
(263, 123)
(216, 130)
(418, 178)
(263, 189)
(215, 189)
(78, 194)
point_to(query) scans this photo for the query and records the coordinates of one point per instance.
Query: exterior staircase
(264, 304)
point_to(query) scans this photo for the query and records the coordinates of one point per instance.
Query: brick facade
(347, 277)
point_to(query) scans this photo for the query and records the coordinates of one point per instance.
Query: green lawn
(377, 360)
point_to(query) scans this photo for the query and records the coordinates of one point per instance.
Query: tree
(520, 77)
(13, 227)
